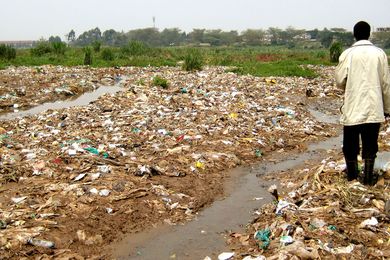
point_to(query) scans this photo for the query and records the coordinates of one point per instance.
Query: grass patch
(158, 81)
(258, 61)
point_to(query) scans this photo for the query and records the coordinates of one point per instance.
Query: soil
(267, 57)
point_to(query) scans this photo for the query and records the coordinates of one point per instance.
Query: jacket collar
(362, 42)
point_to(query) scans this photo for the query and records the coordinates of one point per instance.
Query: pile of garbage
(25, 87)
(318, 214)
(75, 179)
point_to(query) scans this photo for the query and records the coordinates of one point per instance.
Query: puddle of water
(82, 100)
(324, 118)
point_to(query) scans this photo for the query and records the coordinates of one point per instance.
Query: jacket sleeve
(341, 72)
(385, 85)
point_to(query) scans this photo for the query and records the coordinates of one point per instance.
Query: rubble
(80, 177)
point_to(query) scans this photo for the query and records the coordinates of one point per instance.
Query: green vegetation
(7, 52)
(88, 56)
(59, 48)
(135, 48)
(335, 51)
(259, 61)
(158, 81)
(107, 54)
(272, 52)
(45, 47)
(96, 45)
(193, 60)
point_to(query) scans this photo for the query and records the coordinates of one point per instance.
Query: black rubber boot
(352, 170)
(369, 172)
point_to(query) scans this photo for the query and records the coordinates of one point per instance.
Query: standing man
(363, 74)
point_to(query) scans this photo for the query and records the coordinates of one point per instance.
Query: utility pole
(154, 22)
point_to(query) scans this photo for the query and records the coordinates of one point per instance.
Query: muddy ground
(77, 179)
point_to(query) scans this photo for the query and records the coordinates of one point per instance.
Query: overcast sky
(35, 19)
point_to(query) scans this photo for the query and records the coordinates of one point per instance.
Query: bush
(107, 54)
(41, 48)
(96, 45)
(7, 52)
(135, 48)
(386, 45)
(321, 54)
(88, 56)
(335, 51)
(58, 47)
(158, 81)
(193, 60)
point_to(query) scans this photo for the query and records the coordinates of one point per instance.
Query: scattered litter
(136, 152)
(225, 255)
(369, 222)
(41, 243)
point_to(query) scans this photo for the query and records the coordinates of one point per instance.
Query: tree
(213, 37)
(71, 36)
(253, 37)
(293, 34)
(325, 37)
(382, 39)
(229, 38)
(55, 39)
(197, 35)
(275, 35)
(89, 37)
(313, 33)
(346, 38)
(172, 36)
(109, 37)
(150, 36)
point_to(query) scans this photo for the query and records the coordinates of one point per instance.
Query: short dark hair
(361, 31)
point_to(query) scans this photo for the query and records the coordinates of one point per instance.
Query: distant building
(19, 44)
(383, 29)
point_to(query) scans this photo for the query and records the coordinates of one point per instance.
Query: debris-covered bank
(75, 179)
(318, 214)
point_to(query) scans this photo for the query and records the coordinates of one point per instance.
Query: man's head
(361, 31)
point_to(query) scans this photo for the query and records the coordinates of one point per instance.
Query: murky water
(82, 100)
(324, 118)
(205, 235)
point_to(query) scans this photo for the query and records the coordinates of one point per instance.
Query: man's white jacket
(363, 74)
